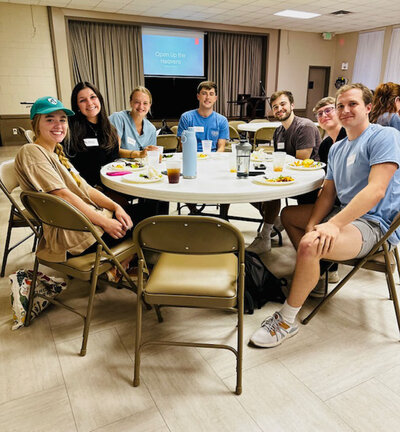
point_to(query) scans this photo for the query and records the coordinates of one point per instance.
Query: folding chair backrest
(54, 211)
(29, 135)
(264, 133)
(169, 142)
(233, 133)
(8, 177)
(188, 235)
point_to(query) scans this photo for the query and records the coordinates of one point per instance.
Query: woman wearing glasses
(386, 105)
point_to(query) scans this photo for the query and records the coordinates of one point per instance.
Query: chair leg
(35, 240)
(239, 358)
(6, 247)
(89, 310)
(158, 312)
(396, 254)
(139, 311)
(391, 285)
(32, 293)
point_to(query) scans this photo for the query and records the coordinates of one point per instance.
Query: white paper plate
(136, 178)
(263, 181)
(123, 166)
(314, 167)
(255, 157)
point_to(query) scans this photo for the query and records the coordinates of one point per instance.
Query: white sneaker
(273, 331)
(260, 245)
(319, 290)
(333, 276)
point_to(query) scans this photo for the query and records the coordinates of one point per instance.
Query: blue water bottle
(189, 149)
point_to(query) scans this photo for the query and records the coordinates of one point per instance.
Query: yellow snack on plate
(308, 162)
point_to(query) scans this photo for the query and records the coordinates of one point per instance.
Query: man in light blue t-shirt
(209, 124)
(363, 172)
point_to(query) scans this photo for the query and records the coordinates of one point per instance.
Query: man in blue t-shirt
(363, 172)
(209, 124)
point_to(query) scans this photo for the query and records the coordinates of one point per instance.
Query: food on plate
(166, 156)
(280, 179)
(306, 163)
(152, 174)
(134, 164)
(124, 164)
(202, 155)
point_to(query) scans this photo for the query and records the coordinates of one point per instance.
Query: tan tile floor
(340, 373)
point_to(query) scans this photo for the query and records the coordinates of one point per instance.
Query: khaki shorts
(370, 231)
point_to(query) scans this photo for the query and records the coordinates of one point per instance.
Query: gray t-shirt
(301, 134)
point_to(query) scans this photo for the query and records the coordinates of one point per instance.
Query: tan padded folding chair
(169, 142)
(19, 217)
(263, 120)
(236, 123)
(197, 268)
(54, 211)
(29, 135)
(379, 259)
(174, 129)
(233, 133)
(264, 134)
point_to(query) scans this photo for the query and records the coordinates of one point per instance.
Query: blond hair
(141, 89)
(58, 150)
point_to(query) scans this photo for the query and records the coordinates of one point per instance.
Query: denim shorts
(370, 231)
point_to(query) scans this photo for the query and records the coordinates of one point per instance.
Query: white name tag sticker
(351, 159)
(280, 146)
(131, 141)
(198, 128)
(91, 142)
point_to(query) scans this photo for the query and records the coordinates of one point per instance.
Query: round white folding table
(253, 127)
(215, 184)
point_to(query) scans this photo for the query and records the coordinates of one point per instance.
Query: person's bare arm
(323, 205)
(112, 226)
(304, 153)
(378, 181)
(104, 201)
(221, 145)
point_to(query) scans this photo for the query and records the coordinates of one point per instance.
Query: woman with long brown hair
(93, 141)
(386, 105)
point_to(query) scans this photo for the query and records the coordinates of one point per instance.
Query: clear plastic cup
(278, 160)
(153, 158)
(160, 151)
(207, 146)
(173, 170)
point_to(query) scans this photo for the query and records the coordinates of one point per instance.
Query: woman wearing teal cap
(42, 166)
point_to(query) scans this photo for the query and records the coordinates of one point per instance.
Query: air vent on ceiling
(341, 12)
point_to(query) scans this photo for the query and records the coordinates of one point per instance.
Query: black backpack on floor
(260, 285)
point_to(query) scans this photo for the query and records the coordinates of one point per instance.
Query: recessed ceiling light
(297, 14)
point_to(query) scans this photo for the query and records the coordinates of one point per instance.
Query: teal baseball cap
(47, 105)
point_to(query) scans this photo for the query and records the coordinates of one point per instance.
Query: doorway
(318, 87)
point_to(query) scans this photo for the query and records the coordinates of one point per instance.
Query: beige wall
(28, 70)
(26, 66)
(298, 51)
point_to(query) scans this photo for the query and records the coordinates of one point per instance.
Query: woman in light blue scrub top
(137, 134)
